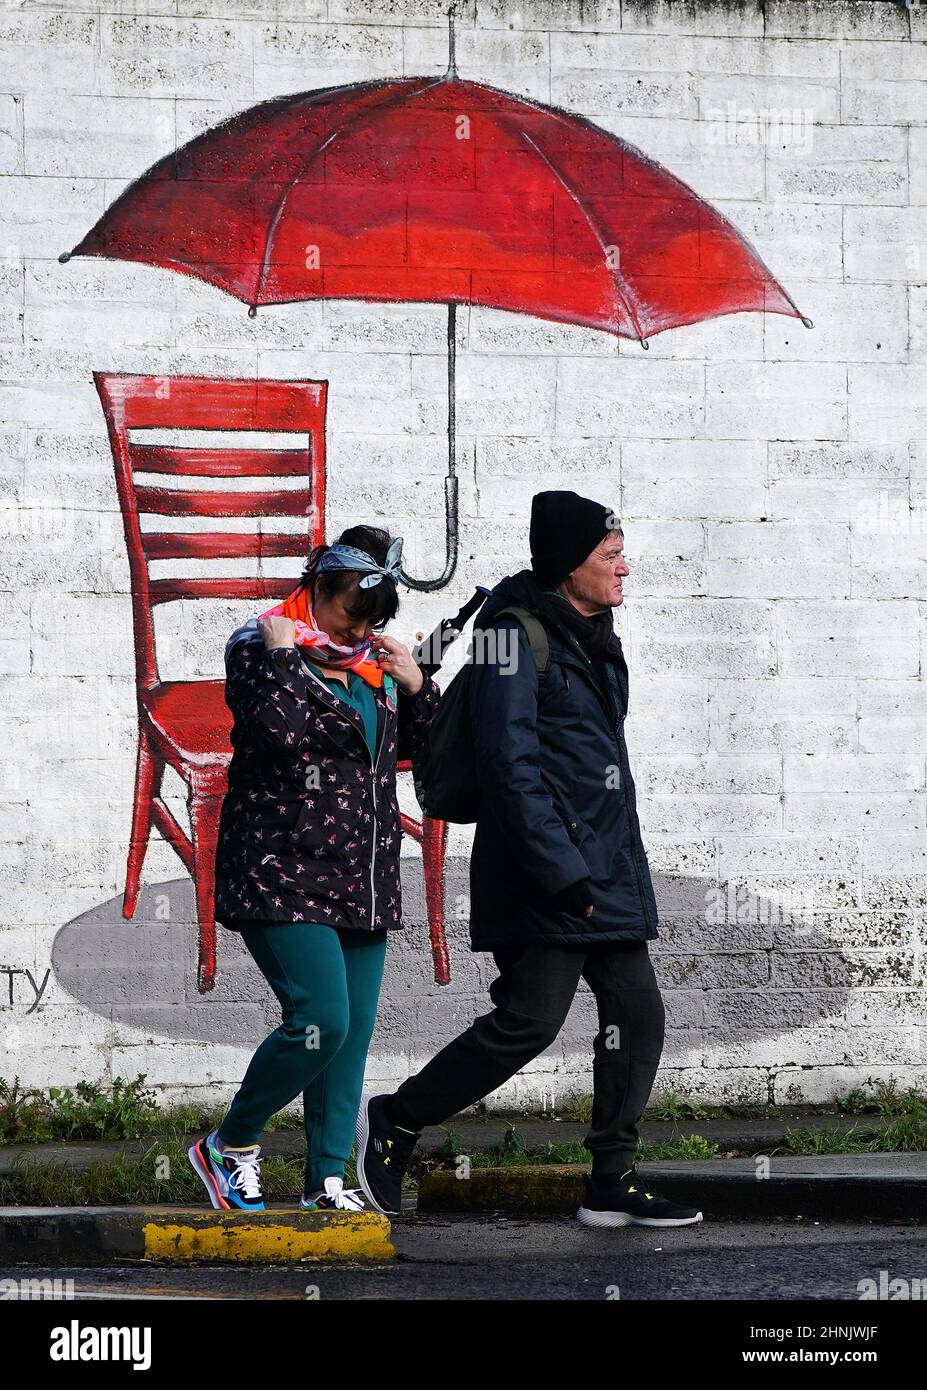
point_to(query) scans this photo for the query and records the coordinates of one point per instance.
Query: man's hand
(576, 898)
(277, 632)
(396, 660)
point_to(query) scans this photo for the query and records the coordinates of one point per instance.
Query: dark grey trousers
(532, 995)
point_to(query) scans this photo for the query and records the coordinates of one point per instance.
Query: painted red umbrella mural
(424, 189)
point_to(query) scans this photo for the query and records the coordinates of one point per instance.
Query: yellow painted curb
(266, 1237)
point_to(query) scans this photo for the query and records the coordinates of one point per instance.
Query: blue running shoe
(232, 1178)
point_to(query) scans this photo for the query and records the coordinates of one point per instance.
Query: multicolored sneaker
(231, 1176)
(630, 1201)
(333, 1197)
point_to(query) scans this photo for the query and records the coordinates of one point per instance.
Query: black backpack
(444, 769)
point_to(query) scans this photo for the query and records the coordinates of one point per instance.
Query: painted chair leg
(204, 824)
(434, 843)
(148, 771)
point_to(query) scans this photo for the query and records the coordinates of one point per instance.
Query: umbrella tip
(807, 322)
(252, 311)
(64, 257)
(645, 345)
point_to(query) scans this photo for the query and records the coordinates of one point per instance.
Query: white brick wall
(772, 484)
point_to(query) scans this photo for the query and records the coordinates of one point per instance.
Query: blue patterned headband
(348, 557)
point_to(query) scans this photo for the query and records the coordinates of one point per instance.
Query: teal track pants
(327, 980)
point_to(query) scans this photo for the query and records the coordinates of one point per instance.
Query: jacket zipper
(640, 883)
(373, 857)
(602, 696)
(332, 702)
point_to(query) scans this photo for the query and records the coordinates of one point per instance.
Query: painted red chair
(186, 724)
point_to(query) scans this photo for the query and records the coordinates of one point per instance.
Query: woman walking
(307, 858)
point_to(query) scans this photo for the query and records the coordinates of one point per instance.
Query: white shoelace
(350, 1198)
(246, 1176)
(345, 1198)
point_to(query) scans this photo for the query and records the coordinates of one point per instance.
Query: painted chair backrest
(151, 478)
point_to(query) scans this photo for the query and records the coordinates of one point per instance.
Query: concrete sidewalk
(753, 1136)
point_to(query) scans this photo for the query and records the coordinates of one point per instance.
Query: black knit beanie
(565, 529)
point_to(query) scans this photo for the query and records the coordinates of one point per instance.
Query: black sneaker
(630, 1202)
(383, 1153)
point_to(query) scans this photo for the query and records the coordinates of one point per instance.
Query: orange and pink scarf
(309, 634)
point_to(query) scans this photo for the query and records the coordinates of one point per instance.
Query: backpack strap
(537, 636)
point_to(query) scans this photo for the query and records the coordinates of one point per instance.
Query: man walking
(559, 883)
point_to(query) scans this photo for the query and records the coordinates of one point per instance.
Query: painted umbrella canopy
(438, 190)
(425, 189)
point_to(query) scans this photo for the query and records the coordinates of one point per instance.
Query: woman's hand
(277, 632)
(396, 660)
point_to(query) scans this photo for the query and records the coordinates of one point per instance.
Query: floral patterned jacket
(309, 829)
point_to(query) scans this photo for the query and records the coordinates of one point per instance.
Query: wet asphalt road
(451, 1258)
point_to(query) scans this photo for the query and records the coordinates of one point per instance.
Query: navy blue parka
(557, 800)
